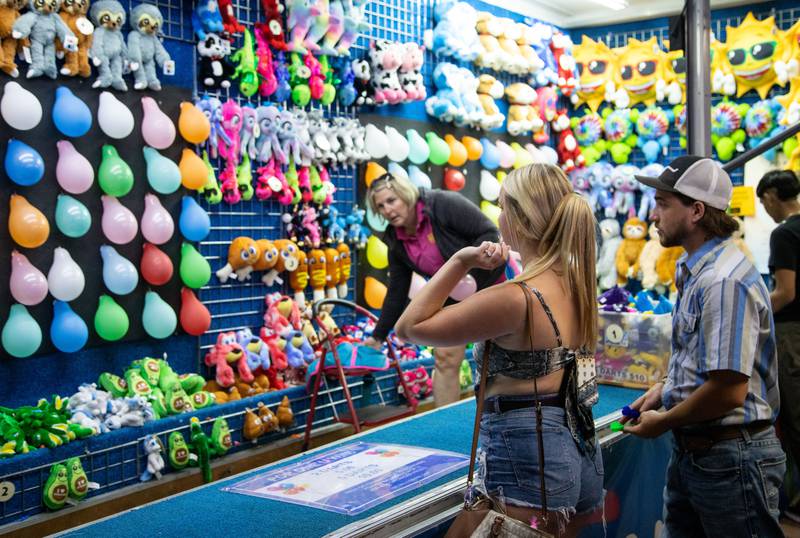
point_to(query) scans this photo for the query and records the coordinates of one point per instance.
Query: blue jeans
(729, 490)
(508, 462)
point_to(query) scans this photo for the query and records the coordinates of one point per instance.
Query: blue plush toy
(346, 92)
(455, 34)
(357, 232)
(652, 128)
(761, 122)
(284, 89)
(206, 18)
(549, 73)
(446, 104)
(255, 349)
(335, 225)
(648, 202)
(600, 178)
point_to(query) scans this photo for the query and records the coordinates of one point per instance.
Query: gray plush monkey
(109, 53)
(42, 25)
(144, 46)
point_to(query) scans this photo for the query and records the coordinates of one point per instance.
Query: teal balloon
(163, 174)
(119, 274)
(194, 221)
(68, 331)
(21, 336)
(158, 318)
(419, 178)
(24, 165)
(72, 217)
(418, 150)
(70, 114)
(376, 222)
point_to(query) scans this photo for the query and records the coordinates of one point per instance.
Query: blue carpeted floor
(208, 511)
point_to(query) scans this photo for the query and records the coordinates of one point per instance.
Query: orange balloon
(373, 172)
(193, 170)
(27, 225)
(474, 148)
(374, 292)
(193, 124)
(458, 152)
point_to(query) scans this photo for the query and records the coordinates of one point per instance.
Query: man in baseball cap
(720, 396)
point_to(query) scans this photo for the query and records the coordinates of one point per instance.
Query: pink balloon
(507, 154)
(28, 284)
(465, 287)
(158, 130)
(157, 223)
(119, 225)
(417, 283)
(73, 171)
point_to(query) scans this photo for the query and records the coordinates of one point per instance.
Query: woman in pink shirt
(427, 227)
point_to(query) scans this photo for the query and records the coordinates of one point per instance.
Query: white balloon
(550, 155)
(115, 119)
(489, 186)
(417, 283)
(398, 145)
(65, 278)
(19, 107)
(418, 177)
(538, 156)
(377, 143)
(398, 171)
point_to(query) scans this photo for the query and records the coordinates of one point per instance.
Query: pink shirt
(421, 246)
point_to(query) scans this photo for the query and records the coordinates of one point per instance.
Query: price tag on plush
(169, 68)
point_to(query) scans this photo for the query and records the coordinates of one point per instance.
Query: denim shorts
(508, 462)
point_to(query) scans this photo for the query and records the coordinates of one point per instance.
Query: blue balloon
(194, 222)
(71, 115)
(24, 165)
(68, 331)
(119, 274)
(490, 158)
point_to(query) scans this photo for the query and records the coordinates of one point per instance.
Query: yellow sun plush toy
(722, 80)
(790, 66)
(640, 68)
(790, 102)
(751, 49)
(596, 66)
(673, 90)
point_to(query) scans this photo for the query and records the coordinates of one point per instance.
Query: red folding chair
(371, 415)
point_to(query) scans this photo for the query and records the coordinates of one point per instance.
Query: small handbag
(483, 517)
(587, 378)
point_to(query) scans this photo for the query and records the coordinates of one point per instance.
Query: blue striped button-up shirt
(722, 321)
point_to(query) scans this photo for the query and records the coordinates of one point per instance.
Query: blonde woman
(553, 229)
(427, 227)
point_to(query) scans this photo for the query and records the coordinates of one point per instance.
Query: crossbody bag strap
(539, 420)
(479, 411)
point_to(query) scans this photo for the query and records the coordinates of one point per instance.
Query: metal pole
(698, 76)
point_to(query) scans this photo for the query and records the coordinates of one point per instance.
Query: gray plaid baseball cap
(697, 177)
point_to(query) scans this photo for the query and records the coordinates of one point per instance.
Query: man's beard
(674, 239)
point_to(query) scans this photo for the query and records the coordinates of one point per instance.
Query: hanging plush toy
(606, 266)
(625, 187)
(298, 23)
(272, 28)
(618, 128)
(386, 58)
(489, 89)
(596, 65)
(588, 131)
(627, 261)
(492, 56)
(790, 103)
(109, 53)
(229, 20)
(215, 70)
(298, 279)
(336, 27)
(410, 71)
(666, 264)
(673, 89)
(73, 13)
(652, 128)
(722, 80)
(649, 257)
(790, 66)
(561, 45)
(355, 24)
(647, 202)
(454, 33)
(243, 252)
(9, 13)
(345, 264)
(761, 122)
(751, 50)
(640, 69)
(225, 352)
(522, 116)
(246, 70)
(318, 273)
(600, 198)
(144, 46)
(727, 134)
(206, 18)
(41, 25)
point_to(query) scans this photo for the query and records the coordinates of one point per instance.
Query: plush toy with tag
(41, 25)
(109, 52)
(73, 14)
(145, 47)
(627, 259)
(215, 70)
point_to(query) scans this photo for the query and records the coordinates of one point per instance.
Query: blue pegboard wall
(786, 13)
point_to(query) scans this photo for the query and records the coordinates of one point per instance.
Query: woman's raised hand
(487, 255)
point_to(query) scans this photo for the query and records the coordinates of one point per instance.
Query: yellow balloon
(522, 157)
(193, 170)
(373, 172)
(193, 124)
(377, 253)
(491, 211)
(501, 175)
(27, 225)
(458, 152)
(474, 148)
(374, 292)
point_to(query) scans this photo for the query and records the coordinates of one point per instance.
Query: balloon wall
(95, 216)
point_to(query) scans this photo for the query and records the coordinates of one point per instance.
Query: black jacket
(456, 223)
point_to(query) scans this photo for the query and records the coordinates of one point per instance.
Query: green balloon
(21, 336)
(789, 145)
(115, 176)
(439, 149)
(195, 270)
(158, 318)
(72, 217)
(110, 320)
